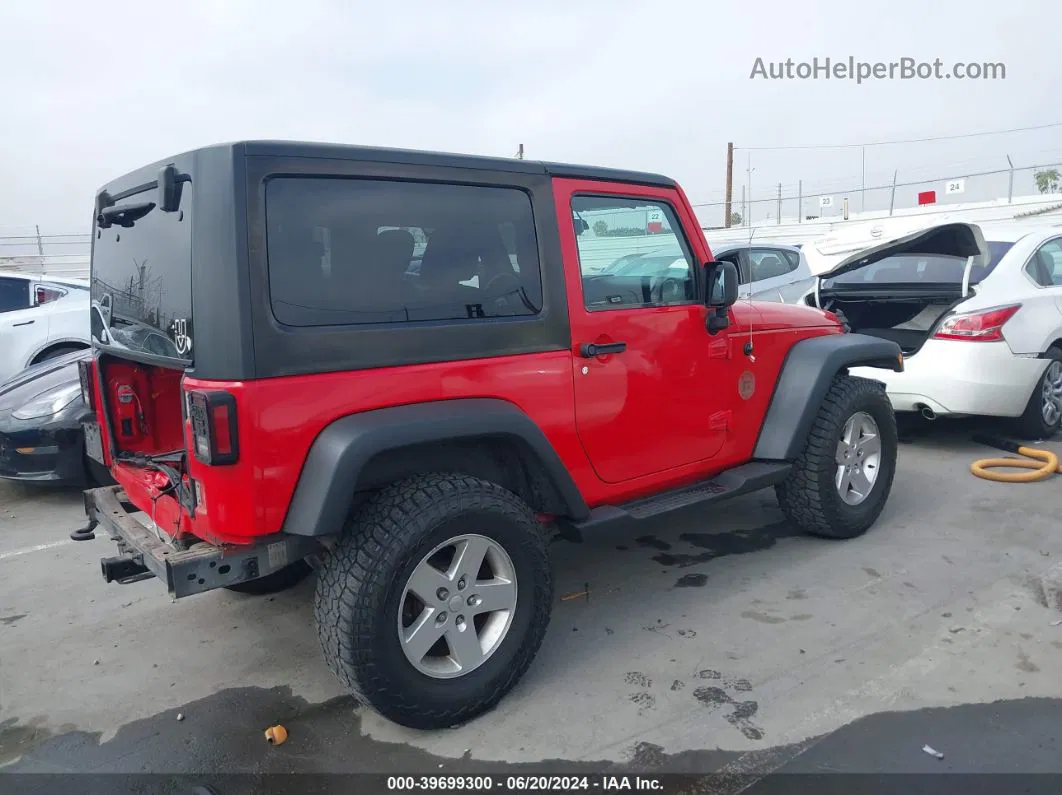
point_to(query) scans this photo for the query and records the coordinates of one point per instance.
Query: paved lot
(722, 641)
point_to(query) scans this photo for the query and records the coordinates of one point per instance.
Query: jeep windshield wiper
(124, 215)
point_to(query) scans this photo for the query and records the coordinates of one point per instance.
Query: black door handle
(23, 323)
(588, 350)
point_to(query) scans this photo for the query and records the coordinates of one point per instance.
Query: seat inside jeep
(394, 262)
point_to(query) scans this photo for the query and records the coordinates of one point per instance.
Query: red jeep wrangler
(406, 370)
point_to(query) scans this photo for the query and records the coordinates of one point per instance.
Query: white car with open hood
(977, 313)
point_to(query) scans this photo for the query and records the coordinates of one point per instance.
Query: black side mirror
(169, 186)
(722, 293)
(580, 226)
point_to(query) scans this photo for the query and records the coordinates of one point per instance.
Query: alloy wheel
(858, 458)
(457, 606)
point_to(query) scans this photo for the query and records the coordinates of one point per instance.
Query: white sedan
(977, 313)
(40, 318)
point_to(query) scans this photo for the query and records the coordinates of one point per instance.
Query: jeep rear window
(346, 251)
(141, 283)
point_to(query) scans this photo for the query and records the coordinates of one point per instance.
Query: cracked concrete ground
(717, 640)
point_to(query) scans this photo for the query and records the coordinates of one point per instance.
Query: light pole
(748, 181)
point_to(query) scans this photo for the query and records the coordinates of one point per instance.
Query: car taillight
(84, 374)
(986, 326)
(214, 431)
(45, 295)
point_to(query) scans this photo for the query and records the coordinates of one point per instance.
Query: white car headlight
(47, 403)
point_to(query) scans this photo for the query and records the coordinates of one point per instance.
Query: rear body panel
(956, 377)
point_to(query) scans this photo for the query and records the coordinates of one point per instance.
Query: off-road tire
(287, 577)
(1030, 425)
(361, 581)
(809, 496)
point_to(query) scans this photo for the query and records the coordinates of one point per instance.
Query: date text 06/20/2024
(522, 783)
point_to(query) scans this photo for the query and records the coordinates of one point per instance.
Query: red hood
(782, 316)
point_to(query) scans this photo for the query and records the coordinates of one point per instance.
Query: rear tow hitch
(125, 569)
(86, 533)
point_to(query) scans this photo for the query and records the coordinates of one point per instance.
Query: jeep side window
(398, 252)
(632, 253)
(14, 294)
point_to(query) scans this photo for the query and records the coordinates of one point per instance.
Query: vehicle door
(66, 307)
(21, 327)
(651, 384)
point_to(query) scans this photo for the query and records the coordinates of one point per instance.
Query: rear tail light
(46, 295)
(986, 326)
(214, 431)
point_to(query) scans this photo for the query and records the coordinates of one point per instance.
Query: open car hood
(950, 239)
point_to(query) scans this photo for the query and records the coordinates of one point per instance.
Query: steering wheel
(504, 290)
(669, 290)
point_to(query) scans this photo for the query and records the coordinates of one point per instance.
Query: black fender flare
(806, 374)
(342, 449)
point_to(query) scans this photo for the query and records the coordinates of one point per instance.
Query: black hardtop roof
(414, 157)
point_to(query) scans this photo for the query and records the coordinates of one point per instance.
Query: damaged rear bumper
(201, 567)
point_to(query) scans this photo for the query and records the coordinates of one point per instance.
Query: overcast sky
(92, 90)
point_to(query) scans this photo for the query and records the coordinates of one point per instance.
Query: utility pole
(800, 201)
(779, 203)
(520, 152)
(729, 183)
(744, 217)
(1010, 186)
(40, 243)
(748, 179)
(892, 196)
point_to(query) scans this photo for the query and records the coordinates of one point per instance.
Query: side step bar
(732, 483)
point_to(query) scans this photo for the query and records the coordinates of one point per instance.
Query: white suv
(40, 317)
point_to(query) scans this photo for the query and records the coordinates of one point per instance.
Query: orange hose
(1039, 465)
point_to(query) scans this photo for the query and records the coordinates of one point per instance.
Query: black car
(41, 439)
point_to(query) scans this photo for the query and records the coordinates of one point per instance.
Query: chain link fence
(760, 204)
(40, 251)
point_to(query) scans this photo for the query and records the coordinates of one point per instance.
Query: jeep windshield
(141, 281)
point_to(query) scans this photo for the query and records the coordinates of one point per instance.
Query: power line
(902, 141)
(887, 186)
